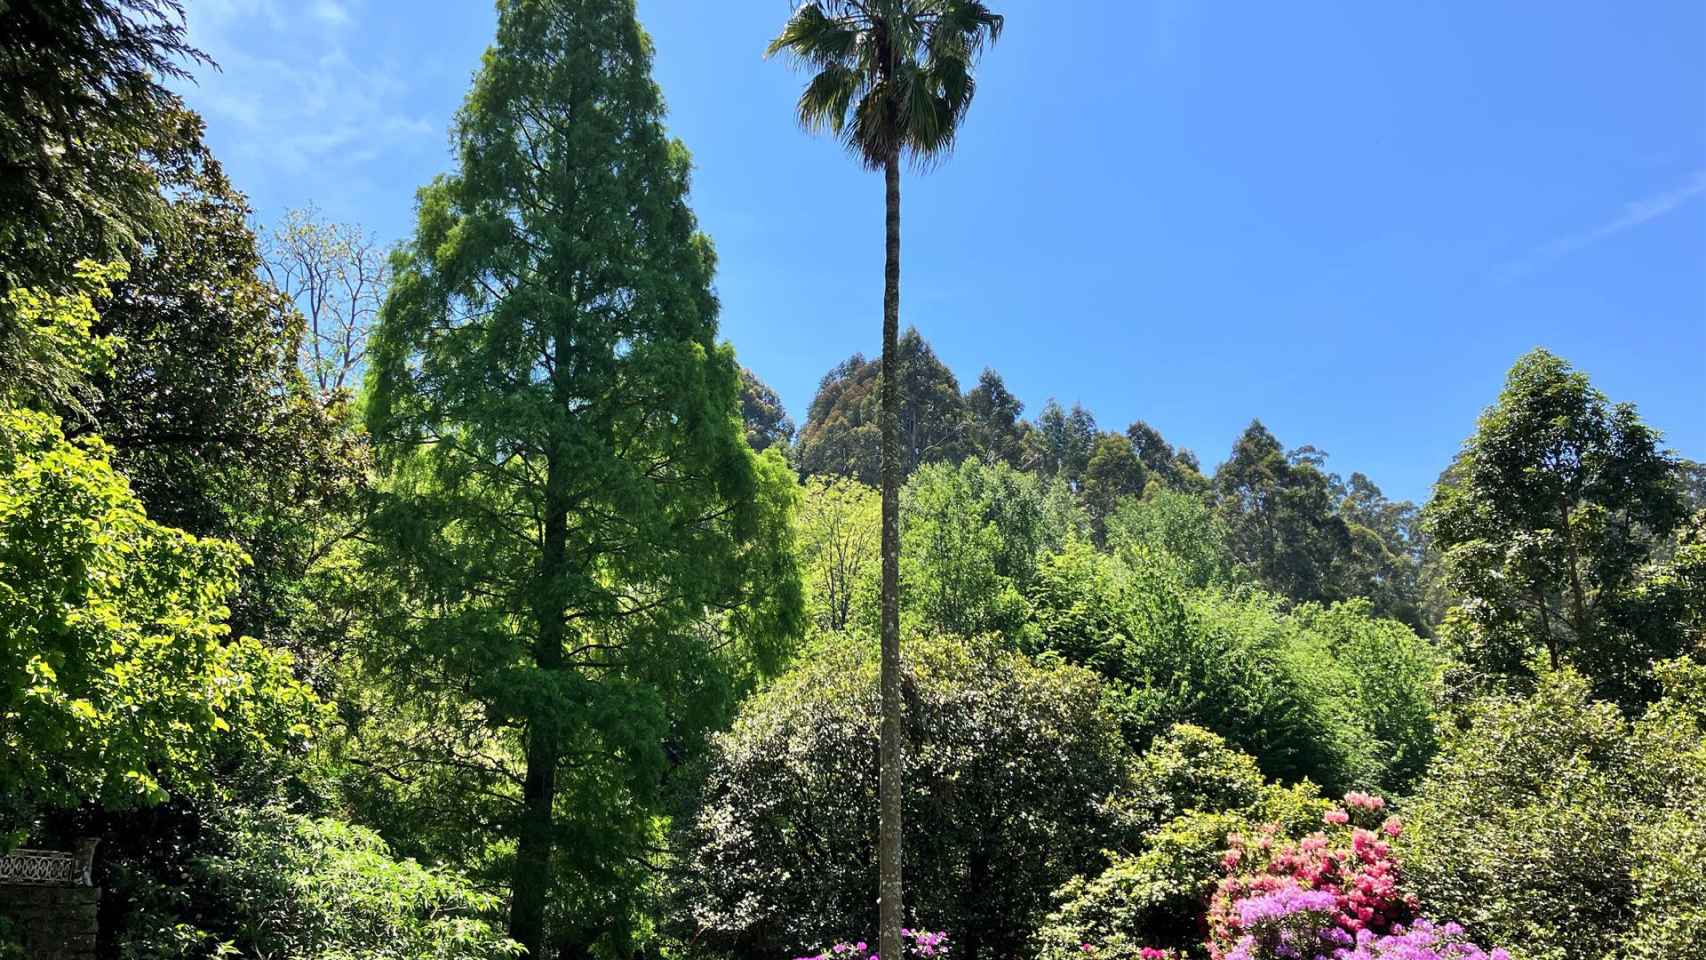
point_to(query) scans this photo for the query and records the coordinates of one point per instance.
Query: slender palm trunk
(889, 851)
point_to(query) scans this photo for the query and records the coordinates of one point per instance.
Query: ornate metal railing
(54, 867)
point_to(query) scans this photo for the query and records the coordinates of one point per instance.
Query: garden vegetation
(506, 613)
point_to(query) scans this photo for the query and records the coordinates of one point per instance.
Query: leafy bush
(1151, 900)
(1178, 524)
(1668, 840)
(1188, 770)
(914, 943)
(1386, 679)
(320, 889)
(972, 534)
(1521, 828)
(117, 670)
(1007, 772)
(1236, 665)
(1190, 792)
(1552, 825)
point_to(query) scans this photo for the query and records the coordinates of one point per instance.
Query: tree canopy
(576, 530)
(1545, 524)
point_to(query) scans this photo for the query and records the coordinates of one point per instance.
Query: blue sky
(1347, 219)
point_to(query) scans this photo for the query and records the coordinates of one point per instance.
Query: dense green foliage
(1190, 792)
(973, 536)
(575, 537)
(118, 669)
(1329, 694)
(1008, 767)
(86, 124)
(498, 593)
(49, 349)
(218, 431)
(277, 883)
(1551, 824)
(1545, 524)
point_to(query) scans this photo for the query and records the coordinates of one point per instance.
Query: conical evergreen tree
(575, 523)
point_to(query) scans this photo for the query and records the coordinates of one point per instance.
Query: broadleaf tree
(587, 551)
(889, 78)
(121, 679)
(1546, 524)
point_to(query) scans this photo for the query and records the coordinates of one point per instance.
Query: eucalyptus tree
(1547, 525)
(889, 78)
(585, 554)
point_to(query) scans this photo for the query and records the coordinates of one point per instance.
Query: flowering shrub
(1421, 941)
(1008, 766)
(1277, 888)
(914, 943)
(1291, 922)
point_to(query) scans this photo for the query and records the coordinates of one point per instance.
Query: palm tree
(890, 77)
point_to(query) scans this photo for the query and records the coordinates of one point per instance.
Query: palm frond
(815, 37)
(889, 74)
(875, 130)
(972, 20)
(825, 102)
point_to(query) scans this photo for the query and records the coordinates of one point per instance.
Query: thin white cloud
(291, 90)
(1634, 214)
(330, 11)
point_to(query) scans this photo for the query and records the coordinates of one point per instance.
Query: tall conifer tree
(587, 550)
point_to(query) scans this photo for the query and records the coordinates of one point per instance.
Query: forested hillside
(471, 598)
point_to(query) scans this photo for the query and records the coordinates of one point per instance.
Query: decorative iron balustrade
(50, 867)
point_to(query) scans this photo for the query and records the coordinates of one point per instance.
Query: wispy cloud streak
(290, 92)
(1634, 215)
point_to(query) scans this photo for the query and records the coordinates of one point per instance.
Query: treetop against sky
(1347, 220)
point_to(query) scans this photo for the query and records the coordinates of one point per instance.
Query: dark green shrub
(1552, 825)
(279, 884)
(1007, 776)
(1190, 791)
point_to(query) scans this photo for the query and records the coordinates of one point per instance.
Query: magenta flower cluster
(1347, 869)
(1332, 895)
(915, 943)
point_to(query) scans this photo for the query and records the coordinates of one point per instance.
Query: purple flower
(1422, 941)
(1254, 911)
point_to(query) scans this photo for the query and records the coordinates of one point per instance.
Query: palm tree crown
(893, 76)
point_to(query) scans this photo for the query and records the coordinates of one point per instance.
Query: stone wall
(54, 922)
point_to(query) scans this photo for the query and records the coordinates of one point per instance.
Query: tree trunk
(889, 852)
(531, 885)
(1546, 625)
(1578, 597)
